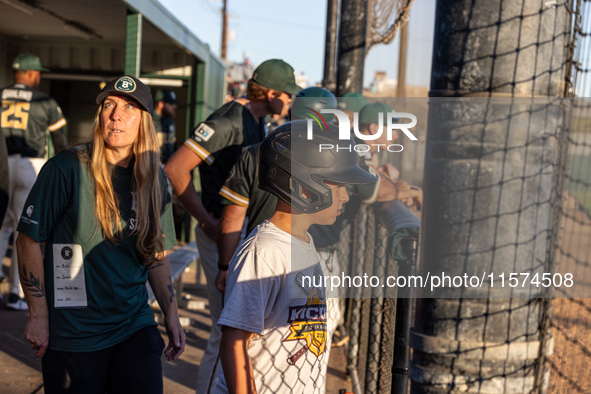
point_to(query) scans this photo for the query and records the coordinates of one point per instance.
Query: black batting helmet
(289, 162)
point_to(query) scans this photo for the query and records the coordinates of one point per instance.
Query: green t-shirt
(59, 210)
(241, 189)
(25, 116)
(218, 142)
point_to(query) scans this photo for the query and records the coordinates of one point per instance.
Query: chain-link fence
(570, 322)
(546, 343)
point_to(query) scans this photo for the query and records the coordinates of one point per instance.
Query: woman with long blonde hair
(103, 211)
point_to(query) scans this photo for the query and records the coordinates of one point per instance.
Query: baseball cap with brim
(28, 61)
(277, 75)
(352, 101)
(128, 86)
(168, 96)
(370, 113)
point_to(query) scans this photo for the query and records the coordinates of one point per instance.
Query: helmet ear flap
(308, 199)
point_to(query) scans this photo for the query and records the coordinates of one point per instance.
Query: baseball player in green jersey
(165, 103)
(412, 196)
(25, 116)
(214, 147)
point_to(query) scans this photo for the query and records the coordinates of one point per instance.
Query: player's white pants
(23, 173)
(208, 258)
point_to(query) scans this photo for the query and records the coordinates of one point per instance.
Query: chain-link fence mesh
(371, 322)
(570, 322)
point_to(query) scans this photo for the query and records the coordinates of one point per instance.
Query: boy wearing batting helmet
(214, 147)
(274, 319)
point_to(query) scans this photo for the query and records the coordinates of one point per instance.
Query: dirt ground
(570, 363)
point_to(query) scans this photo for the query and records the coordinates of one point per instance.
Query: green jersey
(25, 116)
(241, 189)
(59, 212)
(218, 142)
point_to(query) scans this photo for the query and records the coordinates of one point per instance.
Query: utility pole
(401, 86)
(491, 193)
(224, 30)
(330, 42)
(351, 55)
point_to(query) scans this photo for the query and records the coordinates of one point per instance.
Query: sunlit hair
(147, 188)
(256, 91)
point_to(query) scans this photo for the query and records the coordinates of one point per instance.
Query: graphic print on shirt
(309, 321)
(133, 208)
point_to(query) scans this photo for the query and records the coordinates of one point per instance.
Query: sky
(295, 31)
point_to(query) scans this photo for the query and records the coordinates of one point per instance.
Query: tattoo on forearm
(156, 266)
(171, 289)
(35, 285)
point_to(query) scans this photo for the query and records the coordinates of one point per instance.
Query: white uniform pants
(23, 173)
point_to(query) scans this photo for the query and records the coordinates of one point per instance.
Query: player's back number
(15, 115)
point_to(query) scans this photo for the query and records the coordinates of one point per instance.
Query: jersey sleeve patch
(200, 151)
(234, 197)
(203, 132)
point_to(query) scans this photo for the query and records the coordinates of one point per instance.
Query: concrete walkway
(20, 370)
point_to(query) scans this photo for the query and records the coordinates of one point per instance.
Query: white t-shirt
(288, 349)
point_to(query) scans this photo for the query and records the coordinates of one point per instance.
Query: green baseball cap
(277, 75)
(352, 101)
(370, 113)
(27, 61)
(168, 96)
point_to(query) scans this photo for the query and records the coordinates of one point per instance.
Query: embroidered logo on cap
(125, 85)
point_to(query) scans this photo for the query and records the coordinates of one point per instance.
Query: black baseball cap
(128, 86)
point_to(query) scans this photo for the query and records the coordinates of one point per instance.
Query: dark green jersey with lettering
(59, 212)
(218, 142)
(26, 115)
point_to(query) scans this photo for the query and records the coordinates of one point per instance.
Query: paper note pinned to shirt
(69, 286)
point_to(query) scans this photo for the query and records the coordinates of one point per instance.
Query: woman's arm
(159, 277)
(235, 361)
(30, 268)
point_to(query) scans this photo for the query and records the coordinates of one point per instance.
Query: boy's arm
(235, 361)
